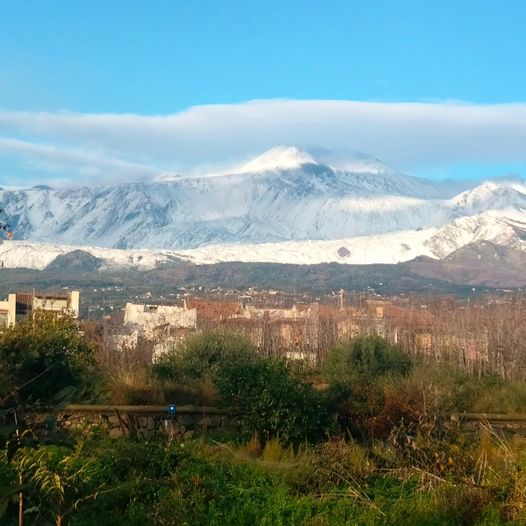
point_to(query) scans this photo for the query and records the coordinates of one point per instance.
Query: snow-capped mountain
(285, 205)
(283, 195)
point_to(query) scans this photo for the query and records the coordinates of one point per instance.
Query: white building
(149, 318)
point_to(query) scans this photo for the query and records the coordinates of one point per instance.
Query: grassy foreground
(122, 482)
(365, 438)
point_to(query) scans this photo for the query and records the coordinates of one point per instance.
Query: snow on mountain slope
(285, 196)
(24, 254)
(393, 247)
(290, 196)
(385, 248)
(491, 196)
(508, 230)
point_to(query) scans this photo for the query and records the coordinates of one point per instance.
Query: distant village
(487, 333)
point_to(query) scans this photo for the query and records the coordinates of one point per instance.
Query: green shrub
(203, 354)
(187, 373)
(272, 401)
(355, 406)
(365, 358)
(43, 355)
(356, 371)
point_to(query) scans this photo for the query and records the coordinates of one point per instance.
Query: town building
(20, 305)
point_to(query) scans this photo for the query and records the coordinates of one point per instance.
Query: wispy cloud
(409, 136)
(72, 164)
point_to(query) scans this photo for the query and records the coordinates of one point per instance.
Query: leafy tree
(43, 355)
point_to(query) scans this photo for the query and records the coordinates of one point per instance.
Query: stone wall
(146, 421)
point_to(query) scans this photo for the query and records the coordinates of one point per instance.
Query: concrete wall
(8, 309)
(70, 304)
(251, 312)
(50, 304)
(74, 303)
(150, 317)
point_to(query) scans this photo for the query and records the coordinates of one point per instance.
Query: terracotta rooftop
(403, 315)
(215, 310)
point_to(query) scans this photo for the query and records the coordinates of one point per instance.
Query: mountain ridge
(284, 201)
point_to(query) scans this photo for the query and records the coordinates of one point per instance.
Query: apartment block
(20, 305)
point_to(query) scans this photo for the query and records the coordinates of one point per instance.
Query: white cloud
(79, 164)
(409, 136)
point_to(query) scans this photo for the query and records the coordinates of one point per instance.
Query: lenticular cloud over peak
(209, 138)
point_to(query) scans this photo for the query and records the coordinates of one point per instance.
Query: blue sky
(117, 58)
